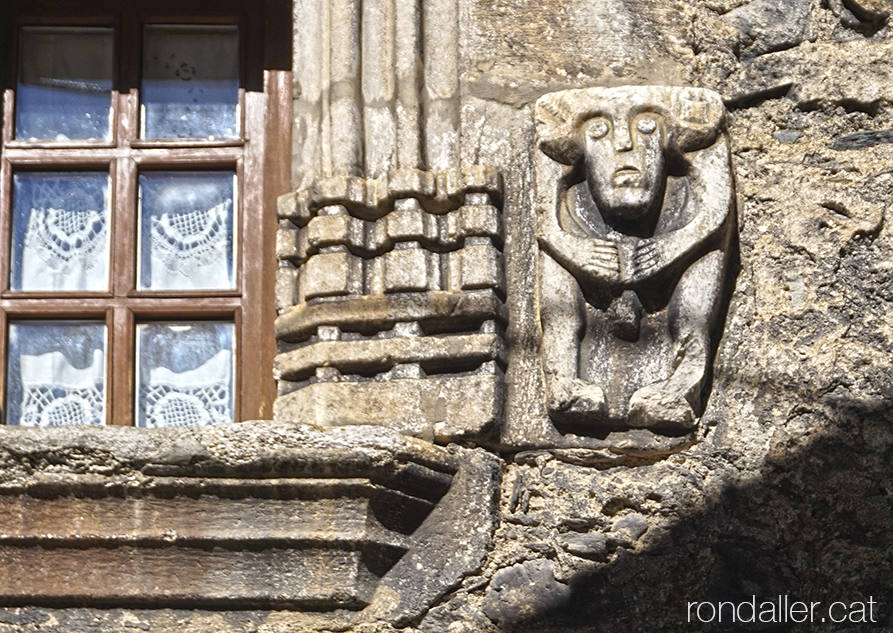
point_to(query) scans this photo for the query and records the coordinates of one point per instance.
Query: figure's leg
(691, 312)
(562, 313)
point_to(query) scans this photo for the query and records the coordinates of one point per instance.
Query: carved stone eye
(646, 125)
(598, 128)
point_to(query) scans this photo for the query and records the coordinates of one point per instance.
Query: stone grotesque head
(623, 136)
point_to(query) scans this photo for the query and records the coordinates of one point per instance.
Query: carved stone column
(392, 286)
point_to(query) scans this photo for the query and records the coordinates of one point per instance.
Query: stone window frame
(260, 158)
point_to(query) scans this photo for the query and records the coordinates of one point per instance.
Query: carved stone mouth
(627, 177)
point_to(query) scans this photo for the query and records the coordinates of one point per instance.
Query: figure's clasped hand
(648, 259)
(600, 261)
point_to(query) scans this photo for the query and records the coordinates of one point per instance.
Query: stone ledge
(277, 520)
(436, 310)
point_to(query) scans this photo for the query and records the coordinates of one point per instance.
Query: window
(143, 147)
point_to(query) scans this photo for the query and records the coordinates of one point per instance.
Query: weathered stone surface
(444, 409)
(785, 486)
(632, 259)
(523, 591)
(391, 217)
(70, 536)
(251, 516)
(856, 72)
(365, 356)
(782, 489)
(874, 10)
(584, 545)
(766, 25)
(384, 266)
(370, 198)
(860, 140)
(433, 311)
(452, 544)
(292, 577)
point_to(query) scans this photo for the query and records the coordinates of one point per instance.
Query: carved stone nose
(623, 141)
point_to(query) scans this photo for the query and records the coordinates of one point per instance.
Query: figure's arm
(593, 261)
(712, 192)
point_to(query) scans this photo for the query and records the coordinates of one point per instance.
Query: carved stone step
(442, 408)
(244, 516)
(188, 577)
(379, 355)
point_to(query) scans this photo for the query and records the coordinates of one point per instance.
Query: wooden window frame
(259, 157)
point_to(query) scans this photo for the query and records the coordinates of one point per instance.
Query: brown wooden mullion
(5, 222)
(266, 180)
(120, 370)
(8, 115)
(129, 37)
(4, 365)
(251, 234)
(62, 157)
(120, 352)
(174, 154)
(123, 245)
(153, 307)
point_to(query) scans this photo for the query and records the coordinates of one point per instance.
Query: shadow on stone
(815, 527)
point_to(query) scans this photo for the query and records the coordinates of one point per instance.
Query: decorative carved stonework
(635, 221)
(392, 294)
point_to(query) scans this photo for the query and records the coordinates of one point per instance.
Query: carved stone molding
(635, 212)
(330, 527)
(391, 295)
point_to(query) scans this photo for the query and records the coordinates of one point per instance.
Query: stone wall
(787, 488)
(781, 487)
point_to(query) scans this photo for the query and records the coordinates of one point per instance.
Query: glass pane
(65, 83)
(186, 231)
(184, 373)
(190, 86)
(56, 373)
(60, 231)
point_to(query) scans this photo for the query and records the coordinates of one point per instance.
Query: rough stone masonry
(458, 264)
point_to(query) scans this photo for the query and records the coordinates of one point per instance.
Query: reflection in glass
(184, 373)
(186, 231)
(56, 373)
(60, 231)
(190, 86)
(64, 84)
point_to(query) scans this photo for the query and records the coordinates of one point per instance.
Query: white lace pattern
(56, 393)
(64, 250)
(197, 397)
(192, 250)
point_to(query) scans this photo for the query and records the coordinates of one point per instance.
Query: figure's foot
(656, 406)
(574, 400)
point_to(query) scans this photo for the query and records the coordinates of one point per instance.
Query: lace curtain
(55, 393)
(192, 398)
(190, 250)
(185, 374)
(56, 373)
(187, 231)
(61, 232)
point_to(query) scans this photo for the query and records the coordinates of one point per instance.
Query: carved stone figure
(635, 220)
